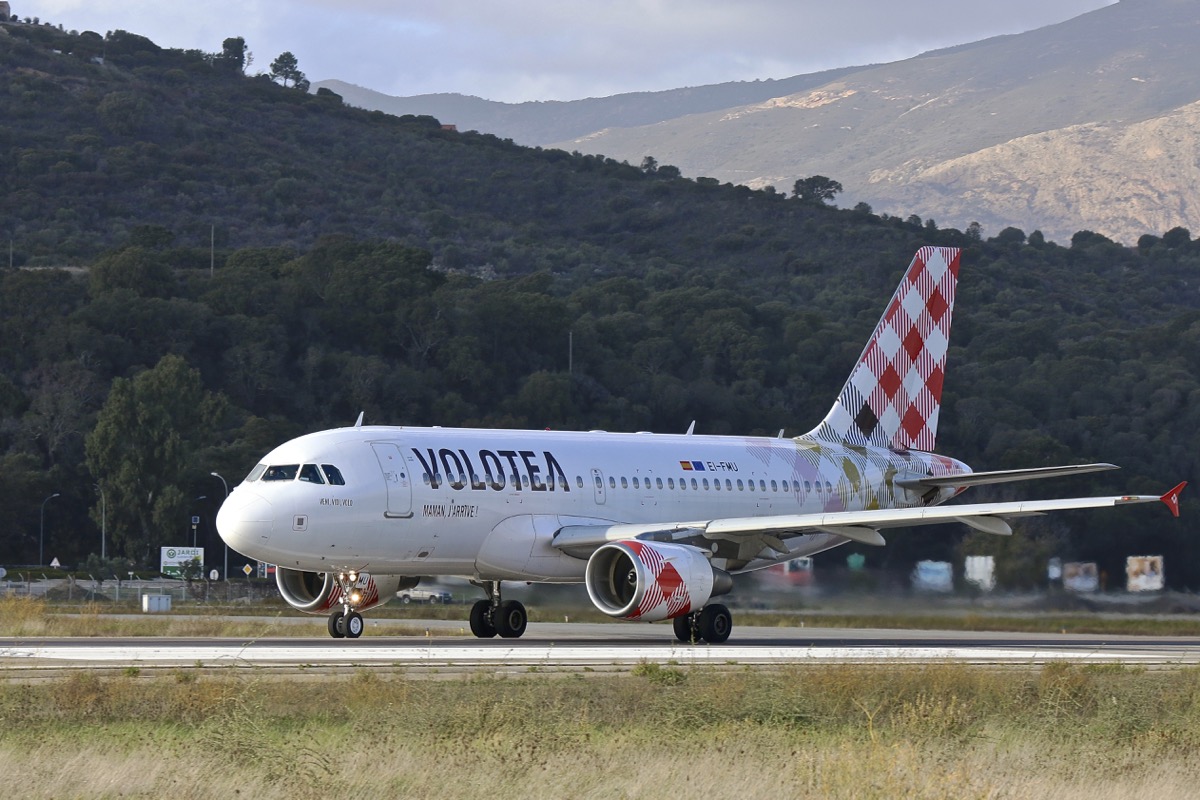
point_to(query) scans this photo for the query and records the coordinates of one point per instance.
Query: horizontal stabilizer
(1000, 476)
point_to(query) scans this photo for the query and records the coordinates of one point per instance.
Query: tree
(816, 190)
(233, 54)
(140, 451)
(286, 68)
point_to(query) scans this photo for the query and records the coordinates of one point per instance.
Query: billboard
(173, 559)
(1080, 576)
(1144, 573)
(933, 576)
(981, 571)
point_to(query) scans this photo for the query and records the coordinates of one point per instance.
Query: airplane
(655, 525)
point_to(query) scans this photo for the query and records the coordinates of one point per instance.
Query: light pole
(195, 520)
(103, 522)
(42, 530)
(225, 574)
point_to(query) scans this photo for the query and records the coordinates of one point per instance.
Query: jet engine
(650, 581)
(318, 592)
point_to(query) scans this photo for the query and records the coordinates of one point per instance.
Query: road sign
(247, 570)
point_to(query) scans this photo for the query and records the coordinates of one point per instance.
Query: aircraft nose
(245, 521)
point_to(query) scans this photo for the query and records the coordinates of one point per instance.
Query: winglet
(1171, 498)
(358, 422)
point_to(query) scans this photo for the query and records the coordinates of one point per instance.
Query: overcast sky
(560, 49)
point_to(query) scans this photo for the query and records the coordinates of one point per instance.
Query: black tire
(406, 599)
(511, 620)
(335, 625)
(481, 620)
(685, 628)
(715, 623)
(353, 625)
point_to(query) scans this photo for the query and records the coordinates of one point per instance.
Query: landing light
(355, 597)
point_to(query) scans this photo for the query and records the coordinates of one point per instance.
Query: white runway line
(217, 655)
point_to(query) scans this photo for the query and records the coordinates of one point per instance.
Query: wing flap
(1000, 476)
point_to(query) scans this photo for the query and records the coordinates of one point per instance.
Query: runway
(576, 646)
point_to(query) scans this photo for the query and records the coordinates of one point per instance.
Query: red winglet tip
(1171, 498)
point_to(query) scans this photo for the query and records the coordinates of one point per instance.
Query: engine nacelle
(649, 581)
(318, 592)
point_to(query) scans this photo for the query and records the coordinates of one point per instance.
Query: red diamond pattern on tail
(894, 394)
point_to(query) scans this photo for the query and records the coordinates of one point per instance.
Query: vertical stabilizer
(894, 394)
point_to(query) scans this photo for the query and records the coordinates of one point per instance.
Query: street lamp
(42, 530)
(196, 519)
(224, 574)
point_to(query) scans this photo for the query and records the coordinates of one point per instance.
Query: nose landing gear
(346, 623)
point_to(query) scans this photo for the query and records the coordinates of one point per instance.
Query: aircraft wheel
(685, 628)
(353, 625)
(481, 620)
(512, 619)
(715, 623)
(335, 625)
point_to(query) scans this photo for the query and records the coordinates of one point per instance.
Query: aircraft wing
(859, 526)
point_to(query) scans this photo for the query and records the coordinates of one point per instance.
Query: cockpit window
(333, 475)
(256, 473)
(286, 472)
(310, 474)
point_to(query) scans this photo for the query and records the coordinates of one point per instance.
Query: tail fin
(894, 394)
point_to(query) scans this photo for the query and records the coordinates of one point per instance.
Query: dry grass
(937, 731)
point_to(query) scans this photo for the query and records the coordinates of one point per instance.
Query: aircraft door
(598, 485)
(397, 478)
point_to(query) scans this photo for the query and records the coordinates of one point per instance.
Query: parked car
(422, 594)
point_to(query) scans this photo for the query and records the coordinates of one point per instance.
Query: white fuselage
(486, 503)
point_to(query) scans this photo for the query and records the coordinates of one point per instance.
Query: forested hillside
(370, 263)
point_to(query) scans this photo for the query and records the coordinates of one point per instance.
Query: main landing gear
(347, 623)
(711, 624)
(492, 616)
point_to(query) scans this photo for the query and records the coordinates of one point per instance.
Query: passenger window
(728, 485)
(256, 473)
(612, 482)
(286, 472)
(599, 483)
(635, 483)
(579, 481)
(658, 482)
(774, 486)
(694, 484)
(762, 486)
(829, 487)
(741, 486)
(333, 475)
(807, 486)
(624, 482)
(310, 474)
(670, 483)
